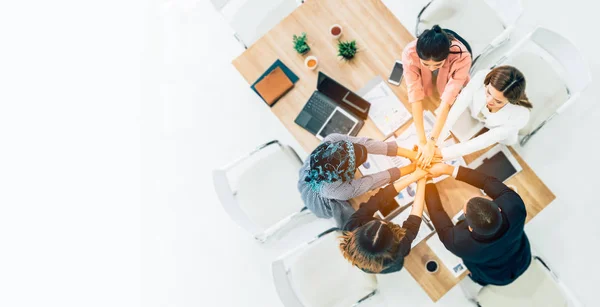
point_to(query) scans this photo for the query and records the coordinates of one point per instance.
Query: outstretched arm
(407, 153)
(441, 221)
(417, 113)
(428, 151)
(490, 185)
(406, 180)
(419, 202)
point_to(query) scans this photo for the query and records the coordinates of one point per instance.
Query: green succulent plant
(300, 44)
(347, 50)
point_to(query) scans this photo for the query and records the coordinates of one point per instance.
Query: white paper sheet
(387, 111)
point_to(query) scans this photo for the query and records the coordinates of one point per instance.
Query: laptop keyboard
(319, 107)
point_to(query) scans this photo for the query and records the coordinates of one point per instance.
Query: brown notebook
(273, 86)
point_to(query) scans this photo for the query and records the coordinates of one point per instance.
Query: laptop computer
(333, 108)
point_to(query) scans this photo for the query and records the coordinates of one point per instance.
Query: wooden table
(380, 38)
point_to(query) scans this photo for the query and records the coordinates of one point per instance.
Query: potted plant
(347, 50)
(300, 44)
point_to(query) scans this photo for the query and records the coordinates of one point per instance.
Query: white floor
(194, 255)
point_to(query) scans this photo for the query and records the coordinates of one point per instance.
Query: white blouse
(503, 125)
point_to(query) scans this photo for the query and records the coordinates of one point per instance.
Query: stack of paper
(387, 111)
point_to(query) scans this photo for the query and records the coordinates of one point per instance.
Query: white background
(113, 114)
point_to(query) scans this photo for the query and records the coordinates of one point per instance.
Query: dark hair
(511, 82)
(331, 162)
(483, 216)
(434, 44)
(369, 246)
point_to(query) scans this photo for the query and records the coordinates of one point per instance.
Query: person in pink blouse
(434, 52)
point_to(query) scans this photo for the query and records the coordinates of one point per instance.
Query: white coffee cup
(335, 31)
(311, 62)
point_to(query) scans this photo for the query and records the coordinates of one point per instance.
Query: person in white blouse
(500, 105)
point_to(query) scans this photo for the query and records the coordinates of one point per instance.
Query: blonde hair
(362, 256)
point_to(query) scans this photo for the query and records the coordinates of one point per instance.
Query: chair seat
(545, 88)
(474, 20)
(323, 278)
(535, 288)
(267, 190)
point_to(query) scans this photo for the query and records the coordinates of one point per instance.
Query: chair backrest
(508, 10)
(577, 71)
(251, 19)
(537, 287)
(320, 277)
(264, 192)
(555, 72)
(461, 15)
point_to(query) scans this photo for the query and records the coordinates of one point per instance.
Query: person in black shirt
(377, 246)
(491, 241)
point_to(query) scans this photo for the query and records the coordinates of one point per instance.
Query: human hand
(437, 156)
(439, 169)
(426, 154)
(419, 173)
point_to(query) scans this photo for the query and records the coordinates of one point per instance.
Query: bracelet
(432, 138)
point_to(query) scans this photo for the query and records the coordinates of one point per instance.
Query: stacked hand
(439, 169)
(427, 154)
(424, 165)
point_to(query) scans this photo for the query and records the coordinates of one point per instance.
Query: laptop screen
(340, 94)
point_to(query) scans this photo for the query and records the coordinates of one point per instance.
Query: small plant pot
(300, 44)
(306, 51)
(347, 50)
(311, 62)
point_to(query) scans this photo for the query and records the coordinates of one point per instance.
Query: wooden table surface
(380, 39)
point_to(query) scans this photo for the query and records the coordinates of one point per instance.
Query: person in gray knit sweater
(327, 176)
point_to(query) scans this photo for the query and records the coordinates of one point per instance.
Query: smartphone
(396, 75)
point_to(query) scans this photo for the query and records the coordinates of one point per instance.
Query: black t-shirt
(365, 214)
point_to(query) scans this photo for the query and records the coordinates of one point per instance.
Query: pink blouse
(452, 76)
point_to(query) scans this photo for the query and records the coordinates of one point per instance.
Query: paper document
(387, 111)
(409, 137)
(458, 217)
(450, 261)
(425, 229)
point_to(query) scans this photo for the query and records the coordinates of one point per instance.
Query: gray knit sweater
(332, 199)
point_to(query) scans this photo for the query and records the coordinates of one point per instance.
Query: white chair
(537, 287)
(316, 274)
(259, 191)
(484, 24)
(251, 19)
(555, 71)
